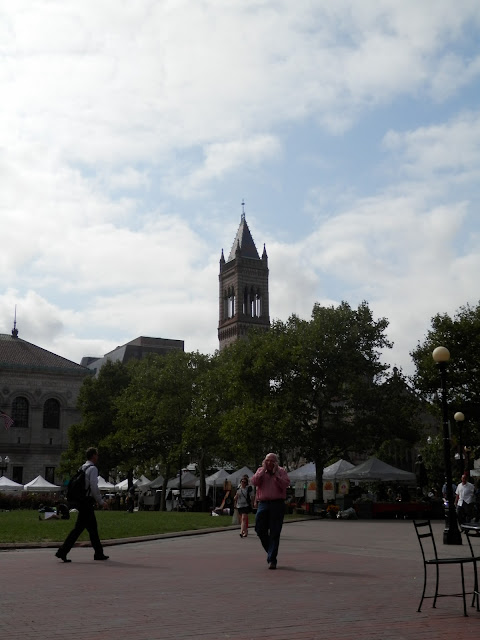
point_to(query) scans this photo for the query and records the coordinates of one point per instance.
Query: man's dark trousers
(268, 526)
(85, 520)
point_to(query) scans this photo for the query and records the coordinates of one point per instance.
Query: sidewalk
(336, 580)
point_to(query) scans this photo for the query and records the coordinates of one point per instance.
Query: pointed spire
(243, 243)
(15, 330)
(222, 258)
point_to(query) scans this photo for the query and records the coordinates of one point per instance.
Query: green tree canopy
(460, 334)
(97, 403)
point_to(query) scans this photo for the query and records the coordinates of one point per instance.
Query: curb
(11, 546)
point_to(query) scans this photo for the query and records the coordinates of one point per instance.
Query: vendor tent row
(369, 471)
(38, 484)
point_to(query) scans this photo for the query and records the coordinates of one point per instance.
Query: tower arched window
(258, 305)
(20, 411)
(225, 305)
(245, 304)
(51, 414)
(252, 303)
(231, 303)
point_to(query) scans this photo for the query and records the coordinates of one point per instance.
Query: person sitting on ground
(63, 511)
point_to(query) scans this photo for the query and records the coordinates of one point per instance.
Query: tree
(97, 403)
(461, 336)
(201, 436)
(308, 386)
(404, 417)
(336, 368)
(153, 411)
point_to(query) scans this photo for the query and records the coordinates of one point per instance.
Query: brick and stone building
(39, 391)
(243, 289)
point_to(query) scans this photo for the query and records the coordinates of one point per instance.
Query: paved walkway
(341, 580)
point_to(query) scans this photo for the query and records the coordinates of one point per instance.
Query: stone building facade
(39, 391)
(243, 289)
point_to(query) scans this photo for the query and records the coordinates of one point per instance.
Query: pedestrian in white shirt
(464, 498)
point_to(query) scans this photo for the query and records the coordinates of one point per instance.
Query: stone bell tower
(243, 291)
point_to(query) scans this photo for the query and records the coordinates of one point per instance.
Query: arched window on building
(231, 303)
(258, 305)
(20, 410)
(253, 304)
(51, 414)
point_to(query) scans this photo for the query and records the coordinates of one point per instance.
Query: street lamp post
(459, 418)
(451, 534)
(4, 465)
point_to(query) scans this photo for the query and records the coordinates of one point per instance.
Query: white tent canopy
(374, 469)
(138, 483)
(236, 476)
(41, 485)
(104, 485)
(9, 485)
(143, 482)
(188, 481)
(216, 479)
(157, 483)
(332, 471)
(305, 473)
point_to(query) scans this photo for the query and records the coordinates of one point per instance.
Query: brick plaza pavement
(338, 580)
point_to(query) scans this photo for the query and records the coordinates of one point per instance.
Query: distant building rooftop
(134, 350)
(18, 354)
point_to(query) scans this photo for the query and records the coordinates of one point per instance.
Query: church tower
(243, 279)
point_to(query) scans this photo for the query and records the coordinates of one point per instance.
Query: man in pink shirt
(271, 482)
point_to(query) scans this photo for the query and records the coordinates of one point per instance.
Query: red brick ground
(341, 580)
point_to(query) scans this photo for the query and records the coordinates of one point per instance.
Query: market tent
(41, 485)
(305, 473)
(103, 485)
(216, 479)
(332, 471)
(375, 469)
(138, 483)
(143, 483)
(157, 483)
(9, 485)
(236, 475)
(188, 481)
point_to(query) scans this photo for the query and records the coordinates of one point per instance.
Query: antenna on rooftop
(15, 330)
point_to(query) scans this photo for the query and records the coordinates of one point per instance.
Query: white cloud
(168, 103)
(450, 147)
(221, 158)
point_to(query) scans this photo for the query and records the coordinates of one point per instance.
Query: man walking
(464, 497)
(271, 482)
(86, 514)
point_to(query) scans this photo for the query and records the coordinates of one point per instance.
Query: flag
(7, 421)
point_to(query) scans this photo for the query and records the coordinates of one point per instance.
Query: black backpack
(76, 492)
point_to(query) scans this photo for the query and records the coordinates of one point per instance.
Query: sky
(131, 132)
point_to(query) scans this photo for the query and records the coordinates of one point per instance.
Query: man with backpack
(85, 502)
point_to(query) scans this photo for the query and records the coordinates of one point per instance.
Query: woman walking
(243, 503)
